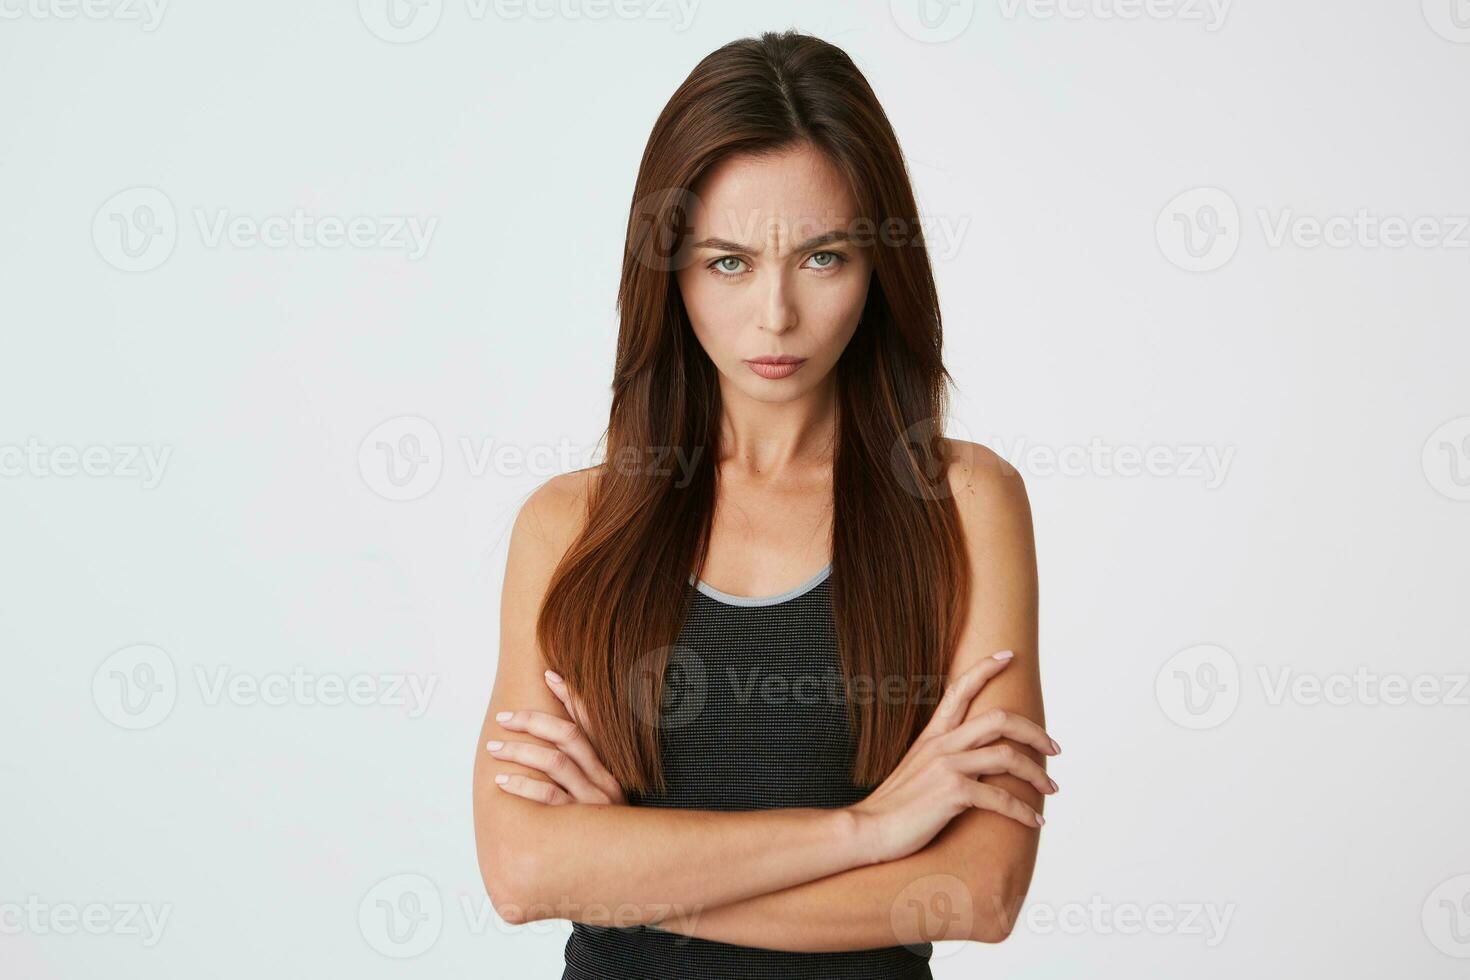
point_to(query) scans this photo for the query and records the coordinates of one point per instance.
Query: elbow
(998, 904)
(510, 867)
(507, 848)
(510, 881)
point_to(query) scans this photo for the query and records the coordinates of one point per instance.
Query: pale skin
(958, 819)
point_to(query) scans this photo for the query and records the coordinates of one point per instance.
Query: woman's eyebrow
(725, 245)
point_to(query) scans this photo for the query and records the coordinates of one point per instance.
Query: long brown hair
(900, 579)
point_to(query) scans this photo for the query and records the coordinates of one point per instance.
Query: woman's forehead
(771, 201)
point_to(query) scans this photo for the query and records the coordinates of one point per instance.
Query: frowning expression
(774, 272)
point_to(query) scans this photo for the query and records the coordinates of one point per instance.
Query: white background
(1324, 835)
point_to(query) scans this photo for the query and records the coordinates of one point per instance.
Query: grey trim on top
(760, 600)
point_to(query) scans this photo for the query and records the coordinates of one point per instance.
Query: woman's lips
(775, 368)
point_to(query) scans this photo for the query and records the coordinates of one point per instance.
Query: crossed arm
(961, 886)
(792, 879)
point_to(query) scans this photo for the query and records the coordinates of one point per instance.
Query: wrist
(859, 836)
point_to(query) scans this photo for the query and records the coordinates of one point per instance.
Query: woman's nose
(779, 314)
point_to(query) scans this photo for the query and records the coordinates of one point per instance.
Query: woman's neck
(764, 439)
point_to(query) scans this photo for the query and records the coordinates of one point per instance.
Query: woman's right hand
(938, 779)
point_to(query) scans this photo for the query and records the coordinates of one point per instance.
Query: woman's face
(774, 270)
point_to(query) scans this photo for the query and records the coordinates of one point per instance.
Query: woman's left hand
(578, 775)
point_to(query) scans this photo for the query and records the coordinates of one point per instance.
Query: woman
(717, 741)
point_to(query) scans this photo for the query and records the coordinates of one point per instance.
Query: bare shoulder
(995, 519)
(548, 522)
(986, 488)
(553, 515)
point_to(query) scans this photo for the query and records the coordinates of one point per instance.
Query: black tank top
(754, 717)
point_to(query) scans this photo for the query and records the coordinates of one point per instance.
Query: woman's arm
(971, 880)
(985, 858)
(588, 863)
(954, 889)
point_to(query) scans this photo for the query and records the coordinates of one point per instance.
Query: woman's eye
(730, 266)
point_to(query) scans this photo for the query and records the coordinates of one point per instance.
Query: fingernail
(503, 715)
(1004, 655)
(1040, 820)
(1055, 747)
(1054, 786)
(553, 676)
(495, 746)
(501, 778)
